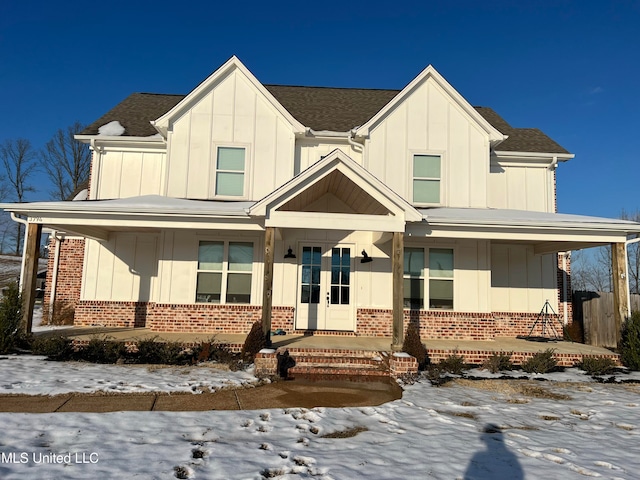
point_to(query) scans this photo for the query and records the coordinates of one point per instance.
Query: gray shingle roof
(320, 108)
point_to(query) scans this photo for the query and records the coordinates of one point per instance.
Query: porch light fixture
(365, 258)
(289, 254)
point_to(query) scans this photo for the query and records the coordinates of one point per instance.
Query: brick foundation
(188, 318)
(449, 325)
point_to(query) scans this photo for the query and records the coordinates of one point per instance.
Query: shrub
(102, 350)
(150, 350)
(212, 351)
(597, 365)
(414, 346)
(541, 362)
(254, 342)
(630, 342)
(498, 363)
(55, 348)
(454, 364)
(10, 318)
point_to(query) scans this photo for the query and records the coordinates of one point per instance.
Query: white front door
(325, 287)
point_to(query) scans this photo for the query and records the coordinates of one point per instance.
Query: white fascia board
(162, 124)
(123, 142)
(431, 72)
(564, 227)
(509, 156)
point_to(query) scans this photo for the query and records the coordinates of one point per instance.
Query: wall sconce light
(365, 258)
(289, 254)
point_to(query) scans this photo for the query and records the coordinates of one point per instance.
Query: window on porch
(224, 267)
(439, 287)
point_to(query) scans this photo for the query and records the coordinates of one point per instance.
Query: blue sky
(570, 68)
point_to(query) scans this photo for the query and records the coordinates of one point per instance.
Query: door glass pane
(413, 261)
(230, 159)
(229, 184)
(306, 274)
(335, 275)
(306, 255)
(238, 288)
(306, 294)
(317, 256)
(441, 262)
(208, 287)
(345, 275)
(441, 294)
(315, 275)
(315, 294)
(426, 166)
(210, 255)
(335, 256)
(345, 295)
(240, 256)
(426, 191)
(335, 295)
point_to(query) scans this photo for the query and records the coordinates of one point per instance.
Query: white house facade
(316, 210)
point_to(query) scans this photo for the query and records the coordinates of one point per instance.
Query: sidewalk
(282, 394)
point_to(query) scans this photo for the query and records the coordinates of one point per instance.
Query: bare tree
(66, 161)
(591, 269)
(18, 160)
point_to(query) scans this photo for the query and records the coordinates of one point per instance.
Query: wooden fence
(594, 312)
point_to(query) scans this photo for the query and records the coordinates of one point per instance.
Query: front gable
(342, 195)
(230, 115)
(429, 118)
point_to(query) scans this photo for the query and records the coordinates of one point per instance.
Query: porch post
(397, 269)
(31, 254)
(267, 285)
(620, 297)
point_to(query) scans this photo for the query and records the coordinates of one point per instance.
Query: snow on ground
(456, 431)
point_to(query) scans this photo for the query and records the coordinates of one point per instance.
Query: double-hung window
(224, 272)
(433, 280)
(230, 171)
(427, 179)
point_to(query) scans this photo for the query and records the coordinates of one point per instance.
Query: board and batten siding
(309, 151)
(429, 122)
(232, 113)
(519, 187)
(122, 174)
(522, 281)
(121, 269)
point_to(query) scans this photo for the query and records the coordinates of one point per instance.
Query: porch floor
(499, 344)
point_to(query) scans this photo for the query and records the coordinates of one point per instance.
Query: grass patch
(348, 433)
(550, 418)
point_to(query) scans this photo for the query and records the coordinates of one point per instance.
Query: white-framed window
(230, 171)
(432, 280)
(224, 272)
(427, 177)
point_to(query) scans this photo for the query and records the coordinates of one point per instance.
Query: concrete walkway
(283, 394)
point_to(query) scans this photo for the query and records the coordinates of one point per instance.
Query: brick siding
(69, 278)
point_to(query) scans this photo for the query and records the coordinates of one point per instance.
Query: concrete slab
(221, 400)
(32, 403)
(109, 403)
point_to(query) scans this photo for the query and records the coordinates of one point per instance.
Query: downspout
(15, 218)
(626, 264)
(355, 145)
(54, 275)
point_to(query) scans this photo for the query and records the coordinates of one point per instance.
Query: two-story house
(335, 210)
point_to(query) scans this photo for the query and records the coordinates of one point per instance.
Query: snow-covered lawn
(563, 428)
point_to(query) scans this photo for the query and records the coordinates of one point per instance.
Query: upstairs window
(426, 178)
(224, 272)
(230, 171)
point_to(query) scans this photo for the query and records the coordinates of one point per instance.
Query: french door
(325, 287)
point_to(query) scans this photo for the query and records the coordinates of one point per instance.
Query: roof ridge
(334, 88)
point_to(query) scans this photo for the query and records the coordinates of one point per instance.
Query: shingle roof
(319, 108)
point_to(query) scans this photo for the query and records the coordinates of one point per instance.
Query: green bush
(597, 365)
(541, 362)
(55, 348)
(254, 342)
(414, 346)
(212, 351)
(629, 347)
(150, 350)
(103, 350)
(10, 318)
(498, 363)
(453, 364)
